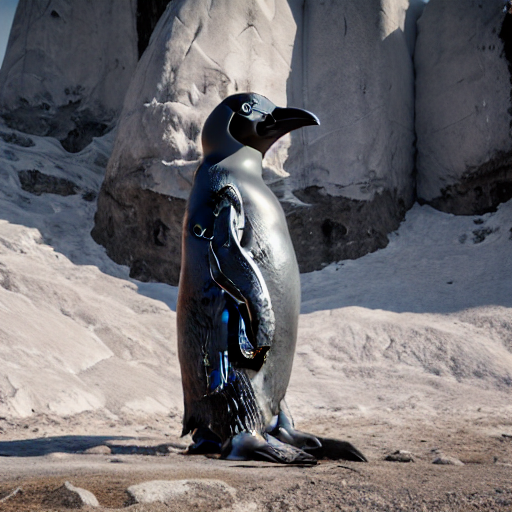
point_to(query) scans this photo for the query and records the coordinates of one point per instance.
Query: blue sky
(7, 9)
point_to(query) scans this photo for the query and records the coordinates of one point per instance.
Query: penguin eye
(246, 109)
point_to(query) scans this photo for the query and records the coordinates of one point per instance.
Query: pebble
(400, 456)
(445, 459)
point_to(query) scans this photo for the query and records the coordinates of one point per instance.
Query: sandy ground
(406, 349)
(484, 482)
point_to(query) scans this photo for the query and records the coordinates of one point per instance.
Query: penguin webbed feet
(319, 447)
(281, 443)
(247, 446)
(263, 447)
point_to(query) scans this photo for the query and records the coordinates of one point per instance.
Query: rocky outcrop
(463, 114)
(353, 176)
(350, 180)
(67, 68)
(199, 53)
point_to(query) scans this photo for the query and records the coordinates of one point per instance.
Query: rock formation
(353, 176)
(463, 114)
(188, 68)
(351, 181)
(344, 185)
(67, 68)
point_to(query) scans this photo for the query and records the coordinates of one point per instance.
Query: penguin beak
(285, 120)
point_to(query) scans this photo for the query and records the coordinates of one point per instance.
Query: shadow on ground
(45, 445)
(118, 445)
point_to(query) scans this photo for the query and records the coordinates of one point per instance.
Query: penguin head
(254, 121)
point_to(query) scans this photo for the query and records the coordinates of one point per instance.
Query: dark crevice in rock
(142, 229)
(480, 190)
(506, 37)
(74, 129)
(83, 133)
(37, 183)
(148, 14)
(340, 228)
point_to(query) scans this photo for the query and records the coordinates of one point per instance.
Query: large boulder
(199, 53)
(463, 114)
(67, 67)
(350, 179)
(353, 176)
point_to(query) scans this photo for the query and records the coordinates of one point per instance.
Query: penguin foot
(334, 449)
(321, 448)
(254, 446)
(205, 442)
(286, 433)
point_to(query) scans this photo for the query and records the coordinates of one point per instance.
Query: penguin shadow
(117, 445)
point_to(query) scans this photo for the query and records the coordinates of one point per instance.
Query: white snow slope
(421, 329)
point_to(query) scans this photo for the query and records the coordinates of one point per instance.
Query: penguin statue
(239, 292)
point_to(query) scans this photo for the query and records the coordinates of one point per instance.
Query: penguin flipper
(254, 446)
(234, 270)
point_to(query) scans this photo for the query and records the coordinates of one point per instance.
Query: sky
(7, 9)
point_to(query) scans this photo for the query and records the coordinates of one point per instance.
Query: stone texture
(69, 496)
(67, 68)
(354, 175)
(98, 450)
(400, 456)
(447, 460)
(37, 183)
(351, 179)
(194, 494)
(463, 114)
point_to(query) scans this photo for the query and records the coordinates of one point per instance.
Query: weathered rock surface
(193, 494)
(447, 460)
(463, 114)
(355, 171)
(190, 65)
(400, 456)
(351, 179)
(67, 68)
(69, 496)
